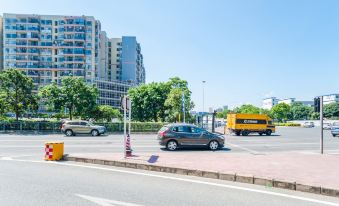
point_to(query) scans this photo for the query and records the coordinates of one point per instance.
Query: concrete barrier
(228, 177)
(308, 188)
(214, 175)
(263, 181)
(244, 179)
(330, 192)
(284, 184)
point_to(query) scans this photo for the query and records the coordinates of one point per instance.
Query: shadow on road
(194, 149)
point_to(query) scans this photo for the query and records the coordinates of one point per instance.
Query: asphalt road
(285, 140)
(40, 183)
(25, 179)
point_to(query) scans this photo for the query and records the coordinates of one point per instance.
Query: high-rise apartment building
(125, 61)
(49, 47)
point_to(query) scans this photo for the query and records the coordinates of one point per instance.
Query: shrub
(288, 124)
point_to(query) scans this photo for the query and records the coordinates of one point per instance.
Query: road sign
(125, 102)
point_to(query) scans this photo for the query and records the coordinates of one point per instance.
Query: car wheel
(172, 145)
(213, 145)
(244, 133)
(333, 135)
(95, 132)
(268, 132)
(237, 133)
(260, 133)
(69, 133)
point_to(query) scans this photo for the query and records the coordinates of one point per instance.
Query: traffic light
(317, 104)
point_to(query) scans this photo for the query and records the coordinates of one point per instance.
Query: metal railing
(55, 127)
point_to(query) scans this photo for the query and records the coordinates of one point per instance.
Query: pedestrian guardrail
(54, 127)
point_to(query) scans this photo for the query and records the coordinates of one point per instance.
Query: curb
(213, 175)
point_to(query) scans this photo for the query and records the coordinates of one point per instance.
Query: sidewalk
(304, 172)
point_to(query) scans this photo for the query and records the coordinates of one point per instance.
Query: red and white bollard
(128, 146)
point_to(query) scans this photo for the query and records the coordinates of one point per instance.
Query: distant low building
(219, 110)
(270, 102)
(288, 101)
(307, 103)
(330, 98)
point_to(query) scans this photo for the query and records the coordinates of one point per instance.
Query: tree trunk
(70, 113)
(16, 115)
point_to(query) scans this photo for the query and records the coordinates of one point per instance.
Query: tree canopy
(299, 111)
(106, 113)
(281, 112)
(17, 90)
(74, 94)
(331, 110)
(160, 101)
(247, 109)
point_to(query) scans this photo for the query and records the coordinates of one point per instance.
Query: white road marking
(243, 148)
(105, 202)
(183, 180)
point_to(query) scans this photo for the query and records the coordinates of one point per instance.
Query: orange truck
(245, 124)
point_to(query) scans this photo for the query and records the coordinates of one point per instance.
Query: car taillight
(62, 126)
(162, 133)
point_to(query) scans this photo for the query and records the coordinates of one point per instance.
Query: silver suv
(71, 128)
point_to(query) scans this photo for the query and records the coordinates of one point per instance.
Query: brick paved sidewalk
(309, 169)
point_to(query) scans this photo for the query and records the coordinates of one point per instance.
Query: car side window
(195, 130)
(181, 129)
(83, 123)
(187, 129)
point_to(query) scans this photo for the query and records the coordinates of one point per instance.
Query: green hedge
(288, 124)
(46, 126)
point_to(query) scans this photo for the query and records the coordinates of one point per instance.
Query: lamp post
(203, 102)
(203, 96)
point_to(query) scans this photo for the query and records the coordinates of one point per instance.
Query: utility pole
(203, 102)
(321, 126)
(183, 106)
(318, 107)
(203, 96)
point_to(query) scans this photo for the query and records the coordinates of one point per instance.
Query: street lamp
(203, 103)
(203, 96)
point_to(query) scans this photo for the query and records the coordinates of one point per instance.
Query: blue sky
(245, 50)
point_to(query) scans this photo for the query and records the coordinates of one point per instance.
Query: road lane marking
(243, 148)
(182, 180)
(105, 202)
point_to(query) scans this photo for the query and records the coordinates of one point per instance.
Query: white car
(327, 126)
(308, 124)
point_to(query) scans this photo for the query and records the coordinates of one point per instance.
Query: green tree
(106, 112)
(281, 112)
(222, 114)
(3, 104)
(315, 115)
(17, 89)
(175, 103)
(148, 101)
(160, 101)
(299, 111)
(73, 94)
(265, 111)
(331, 110)
(247, 109)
